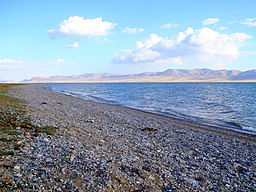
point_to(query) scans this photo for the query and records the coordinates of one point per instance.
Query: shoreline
(204, 125)
(103, 147)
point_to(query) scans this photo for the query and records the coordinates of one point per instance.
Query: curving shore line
(114, 148)
(218, 129)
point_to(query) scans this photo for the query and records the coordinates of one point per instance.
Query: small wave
(226, 112)
(235, 124)
(249, 129)
(212, 104)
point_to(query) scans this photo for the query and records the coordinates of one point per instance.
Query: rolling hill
(170, 75)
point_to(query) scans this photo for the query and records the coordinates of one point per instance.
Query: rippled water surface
(226, 104)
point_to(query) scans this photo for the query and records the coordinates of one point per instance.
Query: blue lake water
(230, 105)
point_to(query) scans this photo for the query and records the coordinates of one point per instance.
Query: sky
(73, 37)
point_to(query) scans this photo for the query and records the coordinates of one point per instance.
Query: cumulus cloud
(204, 45)
(169, 25)
(11, 63)
(74, 45)
(57, 62)
(210, 21)
(135, 30)
(250, 22)
(79, 26)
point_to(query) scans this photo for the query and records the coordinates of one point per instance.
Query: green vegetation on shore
(14, 121)
(11, 111)
(15, 128)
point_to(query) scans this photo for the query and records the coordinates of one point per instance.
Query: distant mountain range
(170, 75)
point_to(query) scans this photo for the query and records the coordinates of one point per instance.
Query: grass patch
(19, 186)
(6, 153)
(8, 139)
(5, 87)
(10, 102)
(49, 130)
(11, 109)
(9, 131)
(17, 146)
(3, 185)
(5, 128)
(4, 139)
(16, 105)
(13, 133)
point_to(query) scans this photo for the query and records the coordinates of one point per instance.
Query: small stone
(28, 126)
(192, 181)
(72, 157)
(15, 178)
(46, 139)
(18, 175)
(239, 168)
(151, 177)
(89, 121)
(149, 129)
(12, 121)
(16, 168)
(38, 130)
(48, 160)
(19, 142)
(63, 170)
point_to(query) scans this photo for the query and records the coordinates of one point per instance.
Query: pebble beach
(103, 147)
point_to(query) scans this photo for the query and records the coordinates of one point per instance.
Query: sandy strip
(144, 151)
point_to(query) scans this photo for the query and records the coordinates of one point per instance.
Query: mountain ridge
(169, 75)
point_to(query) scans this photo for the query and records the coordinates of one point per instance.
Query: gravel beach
(102, 147)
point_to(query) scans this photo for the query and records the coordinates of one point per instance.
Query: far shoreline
(129, 81)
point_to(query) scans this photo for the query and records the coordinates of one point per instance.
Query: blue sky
(67, 37)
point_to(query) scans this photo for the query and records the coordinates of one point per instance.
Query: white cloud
(74, 45)
(135, 30)
(233, 22)
(168, 61)
(11, 63)
(79, 26)
(210, 21)
(248, 53)
(222, 28)
(57, 62)
(250, 22)
(205, 45)
(169, 25)
(104, 40)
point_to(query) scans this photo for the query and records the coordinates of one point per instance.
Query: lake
(231, 105)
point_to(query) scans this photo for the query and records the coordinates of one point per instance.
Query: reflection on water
(229, 104)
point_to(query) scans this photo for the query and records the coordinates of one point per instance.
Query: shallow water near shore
(231, 105)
